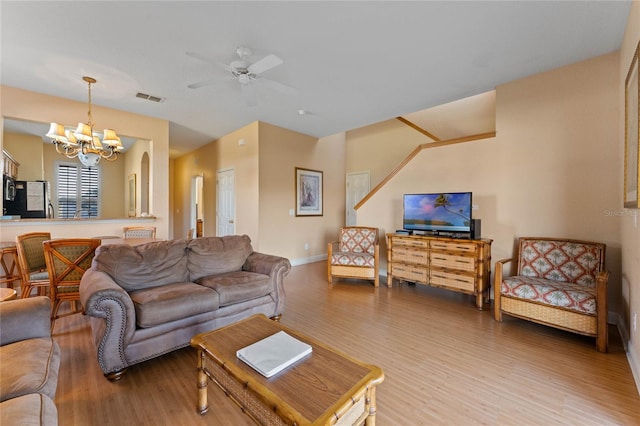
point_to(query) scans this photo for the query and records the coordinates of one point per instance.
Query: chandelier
(83, 142)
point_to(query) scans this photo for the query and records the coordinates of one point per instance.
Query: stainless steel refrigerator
(31, 200)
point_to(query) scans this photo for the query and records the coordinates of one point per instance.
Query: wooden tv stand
(460, 265)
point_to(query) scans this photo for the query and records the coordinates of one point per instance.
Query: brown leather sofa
(30, 363)
(148, 300)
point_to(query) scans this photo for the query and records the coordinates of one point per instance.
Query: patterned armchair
(559, 282)
(354, 255)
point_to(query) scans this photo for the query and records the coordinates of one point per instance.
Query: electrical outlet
(306, 246)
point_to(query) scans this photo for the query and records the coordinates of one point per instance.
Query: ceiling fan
(246, 74)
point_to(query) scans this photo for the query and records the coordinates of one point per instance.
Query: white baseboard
(305, 260)
(632, 356)
(634, 363)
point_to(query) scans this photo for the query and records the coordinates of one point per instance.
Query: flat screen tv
(438, 212)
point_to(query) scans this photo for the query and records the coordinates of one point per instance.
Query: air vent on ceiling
(149, 97)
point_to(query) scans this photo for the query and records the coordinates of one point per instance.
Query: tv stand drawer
(410, 255)
(410, 273)
(461, 265)
(453, 246)
(465, 283)
(411, 242)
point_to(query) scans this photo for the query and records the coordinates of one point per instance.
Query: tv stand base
(457, 264)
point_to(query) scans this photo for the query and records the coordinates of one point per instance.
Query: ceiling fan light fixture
(243, 52)
(247, 74)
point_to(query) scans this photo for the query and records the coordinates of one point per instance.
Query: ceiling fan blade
(201, 57)
(203, 83)
(209, 60)
(264, 64)
(283, 88)
(249, 94)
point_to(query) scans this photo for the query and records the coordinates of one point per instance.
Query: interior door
(357, 188)
(226, 203)
(197, 210)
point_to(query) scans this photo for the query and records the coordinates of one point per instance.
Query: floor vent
(149, 97)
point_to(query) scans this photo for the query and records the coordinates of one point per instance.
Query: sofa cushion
(171, 302)
(29, 366)
(34, 409)
(571, 296)
(352, 259)
(238, 286)
(147, 265)
(217, 255)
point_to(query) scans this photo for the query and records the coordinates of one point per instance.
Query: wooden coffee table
(324, 388)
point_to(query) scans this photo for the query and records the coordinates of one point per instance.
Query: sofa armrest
(104, 299)
(266, 264)
(24, 319)
(277, 268)
(497, 285)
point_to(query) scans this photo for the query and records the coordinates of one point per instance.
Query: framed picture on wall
(308, 192)
(631, 135)
(132, 195)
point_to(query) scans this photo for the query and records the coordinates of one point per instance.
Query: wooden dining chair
(67, 260)
(33, 268)
(139, 232)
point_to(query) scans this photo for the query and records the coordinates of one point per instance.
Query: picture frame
(631, 135)
(308, 191)
(132, 195)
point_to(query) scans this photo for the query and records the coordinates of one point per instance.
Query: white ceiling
(353, 63)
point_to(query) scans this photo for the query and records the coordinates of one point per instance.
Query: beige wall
(552, 169)
(380, 147)
(264, 176)
(224, 154)
(26, 105)
(282, 233)
(29, 152)
(629, 221)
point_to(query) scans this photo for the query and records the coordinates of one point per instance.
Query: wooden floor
(445, 363)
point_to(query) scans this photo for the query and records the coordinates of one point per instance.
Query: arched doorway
(144, 183)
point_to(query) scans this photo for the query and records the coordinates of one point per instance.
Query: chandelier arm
(67, 150)
(83, 141)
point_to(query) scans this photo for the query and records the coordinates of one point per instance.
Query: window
(78, 191)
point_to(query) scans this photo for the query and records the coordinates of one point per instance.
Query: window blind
(78, 190)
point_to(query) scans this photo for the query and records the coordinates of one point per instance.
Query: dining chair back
(33, 268)
(67, 260)
(139, 232)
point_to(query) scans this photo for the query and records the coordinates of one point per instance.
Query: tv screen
(448, 211)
